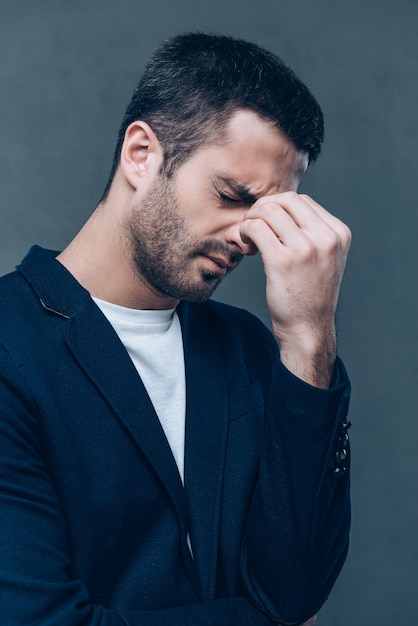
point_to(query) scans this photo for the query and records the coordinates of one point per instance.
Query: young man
(161, 462)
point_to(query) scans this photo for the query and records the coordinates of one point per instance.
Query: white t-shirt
(154, 342)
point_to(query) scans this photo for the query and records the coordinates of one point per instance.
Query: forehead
(254, 153)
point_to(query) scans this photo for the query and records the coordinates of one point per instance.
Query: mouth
(217, 265)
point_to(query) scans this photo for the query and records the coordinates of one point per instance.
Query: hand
(304, 250)
(311, 621)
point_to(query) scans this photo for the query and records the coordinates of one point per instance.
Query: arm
(304, 250)
(298, 524)
(297, 530)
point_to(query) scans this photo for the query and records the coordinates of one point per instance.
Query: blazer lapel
(101, 354)
(206, 431)
(103, 357)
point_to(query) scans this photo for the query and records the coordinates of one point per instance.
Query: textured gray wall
(67, 69)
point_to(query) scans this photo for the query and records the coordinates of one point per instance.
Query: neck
(99, 258)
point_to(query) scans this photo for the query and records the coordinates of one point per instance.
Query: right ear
(141, 154)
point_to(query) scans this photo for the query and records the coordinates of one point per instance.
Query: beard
(163, 248)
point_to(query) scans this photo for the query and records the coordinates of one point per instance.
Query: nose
(243, 244)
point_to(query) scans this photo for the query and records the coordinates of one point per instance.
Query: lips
(220, 261)
(217, 265)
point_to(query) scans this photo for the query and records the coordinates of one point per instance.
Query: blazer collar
(56, 288)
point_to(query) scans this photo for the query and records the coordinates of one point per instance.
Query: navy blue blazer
(94, 518)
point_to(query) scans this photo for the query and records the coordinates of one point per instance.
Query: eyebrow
(241, 191)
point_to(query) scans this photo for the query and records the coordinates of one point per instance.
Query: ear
(141, 153)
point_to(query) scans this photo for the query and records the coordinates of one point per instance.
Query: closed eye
(229, 200)
(233, 193)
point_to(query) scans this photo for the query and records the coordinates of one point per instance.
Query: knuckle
(344, 236)
(255, 223)
(307, 250)
(268, 205)
(343, 230)
(290, 195)
(333, 242)
(347, 235)
(305, 197)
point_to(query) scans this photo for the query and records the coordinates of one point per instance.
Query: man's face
(184, 235)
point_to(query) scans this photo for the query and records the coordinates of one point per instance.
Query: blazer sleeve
(36, 585)
(297, 529)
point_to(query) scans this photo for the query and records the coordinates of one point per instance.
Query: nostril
(248, 248)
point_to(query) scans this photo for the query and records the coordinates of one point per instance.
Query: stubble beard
(163, 248)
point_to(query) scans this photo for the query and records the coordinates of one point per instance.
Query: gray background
(66, 72)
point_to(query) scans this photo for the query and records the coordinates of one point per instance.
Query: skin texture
(155, 241)
(163, 247)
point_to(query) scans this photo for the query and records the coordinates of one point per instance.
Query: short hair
(194, 82)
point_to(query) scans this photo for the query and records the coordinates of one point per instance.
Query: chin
(199, 293)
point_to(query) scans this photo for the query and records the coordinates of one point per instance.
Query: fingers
(304, 250)
(297, 221)
(337, 225)
(271, 229)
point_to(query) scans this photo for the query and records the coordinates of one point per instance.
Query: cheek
(202, 214)
(200, 220)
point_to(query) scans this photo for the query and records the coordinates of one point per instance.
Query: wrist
(307, 354)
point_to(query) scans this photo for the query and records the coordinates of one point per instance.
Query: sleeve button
(341, 456)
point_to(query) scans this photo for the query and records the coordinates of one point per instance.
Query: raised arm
(298, 524)
(304, 250)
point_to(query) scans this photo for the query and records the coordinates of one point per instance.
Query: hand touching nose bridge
(304, 250)
(235, 236)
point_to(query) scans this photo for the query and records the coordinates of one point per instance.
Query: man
(161, 463)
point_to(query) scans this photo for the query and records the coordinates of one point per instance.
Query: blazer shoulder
(14, 293)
